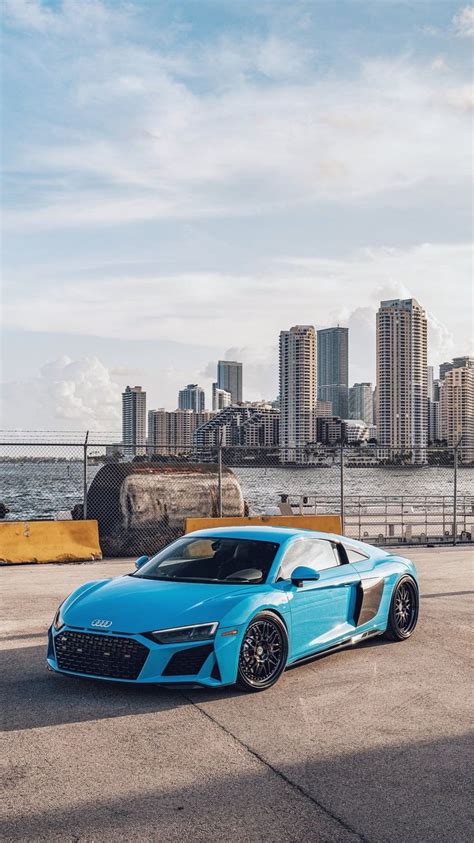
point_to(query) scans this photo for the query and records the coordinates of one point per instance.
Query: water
(40, 490)
(262, 487)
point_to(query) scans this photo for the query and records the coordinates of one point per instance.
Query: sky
(182, 179)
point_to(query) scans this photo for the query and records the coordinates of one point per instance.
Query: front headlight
(185, 634)
(58, 621)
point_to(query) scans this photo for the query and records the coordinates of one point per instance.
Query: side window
(354, 555)
(323, 555)
(314, 553)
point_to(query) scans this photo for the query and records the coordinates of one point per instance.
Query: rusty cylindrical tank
(141, 507)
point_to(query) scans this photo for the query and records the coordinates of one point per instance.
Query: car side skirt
(350, 641)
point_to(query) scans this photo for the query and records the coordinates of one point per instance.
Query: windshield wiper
(150, 576)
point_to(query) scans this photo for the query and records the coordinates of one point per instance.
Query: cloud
(65, 394)
(274, 132)
(30, 14)
(439, 63)
(463, 22)
(72, 18)
(214, 309)
(239, 125)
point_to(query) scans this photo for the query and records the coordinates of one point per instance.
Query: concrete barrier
(323, 523)
(48, 541)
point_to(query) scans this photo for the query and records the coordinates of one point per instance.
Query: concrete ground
(369, 744)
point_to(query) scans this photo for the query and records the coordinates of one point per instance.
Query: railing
(395, 519)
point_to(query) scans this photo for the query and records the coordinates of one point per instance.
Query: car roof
(262, 533)
(281, 535)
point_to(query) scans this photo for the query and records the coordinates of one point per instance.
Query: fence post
(342, 486)
(455, 494)
(84, 479)
(219, 476)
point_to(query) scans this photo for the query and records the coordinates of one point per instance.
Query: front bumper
(134, 658)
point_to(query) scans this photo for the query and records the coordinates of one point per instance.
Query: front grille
(100, 655)
(188, 662)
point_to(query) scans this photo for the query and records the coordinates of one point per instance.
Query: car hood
(134, 604)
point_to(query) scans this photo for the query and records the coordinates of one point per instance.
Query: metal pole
(342, 487)
(455, 494)
(84, 492)
(219, 476)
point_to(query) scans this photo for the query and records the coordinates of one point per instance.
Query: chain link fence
(141, 497)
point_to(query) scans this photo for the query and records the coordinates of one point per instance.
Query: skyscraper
(443, 368)
(297, 391)
(456, 363)
(457, 409)
(333, 369)
(402, 377)
(220, 398)
(434, 429)
(248, 425)
(133, 421)
(432, 407)
(361, 403)
(173, 432)
(192, 397)
(229, 377)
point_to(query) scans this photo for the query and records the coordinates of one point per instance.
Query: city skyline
(195, 181)
(361, 397)
(416, 410)
(412, 408)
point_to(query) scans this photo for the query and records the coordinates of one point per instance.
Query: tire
(403, 612)
(263, 653)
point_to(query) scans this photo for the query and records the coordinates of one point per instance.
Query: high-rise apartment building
(220, 398)
(192, 397)
(133, 421)
(463, 362)
(330, 430)
(323, 409)
(333, 369)
(248, 426)
(434, 428)
(430, 382)
(457, 410)
(297, 391)
(402, 377)
(443, 368)
(229, 377)
(172, 432)
(432, 407)
(361, 403)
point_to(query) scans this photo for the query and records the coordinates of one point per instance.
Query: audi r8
(232, 606)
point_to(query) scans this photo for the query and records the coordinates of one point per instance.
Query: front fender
(232, 628)
(250, 605)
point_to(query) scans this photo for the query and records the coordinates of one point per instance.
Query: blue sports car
(233, 606)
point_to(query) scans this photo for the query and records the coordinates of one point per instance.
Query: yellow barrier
(48, 541)
(322, 523)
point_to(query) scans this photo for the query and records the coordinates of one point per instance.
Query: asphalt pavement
(368, 744)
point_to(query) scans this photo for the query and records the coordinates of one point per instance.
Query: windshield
(215, 560)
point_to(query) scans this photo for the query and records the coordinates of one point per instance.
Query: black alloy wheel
(403, 614)
(263, 653)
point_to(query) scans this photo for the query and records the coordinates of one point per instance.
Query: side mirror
(141, 561)
(302, 574)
